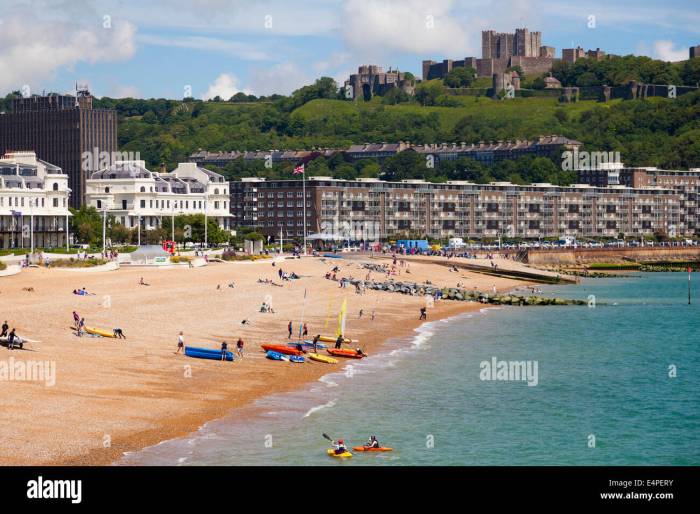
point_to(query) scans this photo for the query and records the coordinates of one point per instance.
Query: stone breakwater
(460, 294)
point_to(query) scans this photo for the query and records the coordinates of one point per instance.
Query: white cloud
(208, 44)
(375, 27)
(663, 49)
(225, 86)
(32, 51)
(282, 78)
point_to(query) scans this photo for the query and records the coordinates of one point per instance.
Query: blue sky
(159, 48)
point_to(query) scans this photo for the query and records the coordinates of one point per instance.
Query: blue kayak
(276, 356)
(207, 353)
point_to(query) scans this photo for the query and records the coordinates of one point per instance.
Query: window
(55, 186)
(99, 204)
(55, 202)
(143, 189)
(106, 190)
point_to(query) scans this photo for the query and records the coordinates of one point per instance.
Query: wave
(328, 405)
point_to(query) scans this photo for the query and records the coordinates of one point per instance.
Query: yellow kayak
(99, 332)
(344, 455)
(329, 339)
(321, 358)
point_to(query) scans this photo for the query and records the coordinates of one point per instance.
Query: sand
(112, 396)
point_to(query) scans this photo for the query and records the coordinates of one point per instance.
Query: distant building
(694, 51)
(485, 152)
(372, 209)
(372, 80)
(60, 129)
(596, 54)
(32, 188)
(571, 55)
(500, 50)
(134, 195)
(551, 83)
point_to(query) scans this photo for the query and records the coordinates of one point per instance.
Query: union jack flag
(299, 169)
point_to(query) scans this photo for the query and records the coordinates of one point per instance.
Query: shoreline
(135, 443)
(117, 396)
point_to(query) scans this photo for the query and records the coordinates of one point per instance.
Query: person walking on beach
(361, 312)
(289, 330)
(76, 320)
(224, 350)
(180, 343)
(5, 328)
(306, 331)
(239, 347)
(423, 313)
(315, 342)
(339, 342)
(81, 326)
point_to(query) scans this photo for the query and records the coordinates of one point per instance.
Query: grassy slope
(536, 113)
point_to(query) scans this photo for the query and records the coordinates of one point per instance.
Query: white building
(133, 194)
(32, 190)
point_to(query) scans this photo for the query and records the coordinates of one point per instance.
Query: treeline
(410, 165)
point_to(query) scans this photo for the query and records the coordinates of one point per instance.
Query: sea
(614, 382)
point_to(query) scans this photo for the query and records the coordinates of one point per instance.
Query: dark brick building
(60, 128)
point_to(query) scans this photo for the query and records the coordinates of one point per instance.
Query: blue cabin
(408, 244)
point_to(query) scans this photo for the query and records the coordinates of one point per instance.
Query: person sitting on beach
(300, 348)
(142, 283)
(245, 322)
(119, 333)
(373, 442)
(232, 285)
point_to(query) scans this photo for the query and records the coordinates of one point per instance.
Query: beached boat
(276, 356)
(99, 332)
(207, 353)
(322, 358)
(342, 352)
(310, 344)
(281, 348)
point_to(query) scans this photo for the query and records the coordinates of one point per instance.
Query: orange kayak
(342, 352)
(281, 348)
(367, 449)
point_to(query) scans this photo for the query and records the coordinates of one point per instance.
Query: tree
(460, 77)
(427, 93)
(690, 73)
(87, 225)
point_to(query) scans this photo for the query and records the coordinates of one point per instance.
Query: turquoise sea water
(603, 373)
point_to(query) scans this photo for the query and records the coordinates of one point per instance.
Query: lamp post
(31, 225)
(104, 231)
(206, 208)
(138, 231)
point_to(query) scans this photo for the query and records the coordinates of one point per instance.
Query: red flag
(299, 169)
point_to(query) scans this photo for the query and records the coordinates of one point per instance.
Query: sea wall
(578, 256)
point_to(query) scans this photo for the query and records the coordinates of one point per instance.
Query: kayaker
(339, 342)
(224, 350)
(373, 442)
(339, 447)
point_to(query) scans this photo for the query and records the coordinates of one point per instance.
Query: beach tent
(148, 254)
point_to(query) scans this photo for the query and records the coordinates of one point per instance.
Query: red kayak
(342, 352)
(281, 348)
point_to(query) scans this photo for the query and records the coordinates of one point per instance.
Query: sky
(203, 48)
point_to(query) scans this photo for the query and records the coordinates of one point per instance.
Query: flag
(299, 169)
